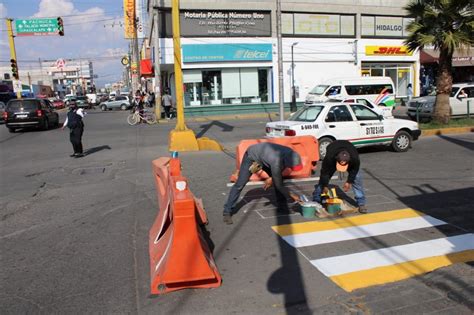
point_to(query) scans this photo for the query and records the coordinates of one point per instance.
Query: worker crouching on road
(341, 155)
(273, 159)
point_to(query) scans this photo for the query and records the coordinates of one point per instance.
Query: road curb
(445, 131)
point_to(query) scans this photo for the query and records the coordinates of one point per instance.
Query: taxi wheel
(323, 144)
(402, 141)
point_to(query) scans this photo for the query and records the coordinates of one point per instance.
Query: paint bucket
(308, 209)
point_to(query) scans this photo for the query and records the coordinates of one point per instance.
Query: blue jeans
(242, 180)
(357, 188)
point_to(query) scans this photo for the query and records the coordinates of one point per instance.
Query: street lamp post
(293, 92)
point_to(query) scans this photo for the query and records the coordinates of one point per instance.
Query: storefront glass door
(399, 73)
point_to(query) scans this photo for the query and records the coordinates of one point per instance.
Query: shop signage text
(387, 51)
(227, 52)
(220, 23)
(384, 26)
(318, 24)
(129, 16)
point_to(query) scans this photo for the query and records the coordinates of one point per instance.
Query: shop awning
(464, 58)
(146, 68)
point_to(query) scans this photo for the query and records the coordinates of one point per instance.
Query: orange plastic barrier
(180, 257)
(306, 146)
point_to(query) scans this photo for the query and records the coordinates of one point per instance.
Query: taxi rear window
(309, 113)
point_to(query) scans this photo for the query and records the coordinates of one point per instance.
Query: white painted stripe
(338, 265)
(361, 231)
(290, 180)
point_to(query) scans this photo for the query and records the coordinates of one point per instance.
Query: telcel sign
(227, 52)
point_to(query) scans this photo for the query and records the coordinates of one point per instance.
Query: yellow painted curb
(445, 131)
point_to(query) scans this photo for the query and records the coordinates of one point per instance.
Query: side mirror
(380, 117)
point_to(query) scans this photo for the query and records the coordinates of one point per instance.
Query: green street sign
(36, 27)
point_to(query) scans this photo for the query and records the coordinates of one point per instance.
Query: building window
(226, 86)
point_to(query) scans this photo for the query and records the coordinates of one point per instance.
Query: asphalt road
(74, 232)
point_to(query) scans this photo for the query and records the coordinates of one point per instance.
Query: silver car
(120, 102)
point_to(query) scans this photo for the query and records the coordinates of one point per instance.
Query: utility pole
(280, 63)
(157, 67)
(11, 40)
(135, 64)
(293, 92)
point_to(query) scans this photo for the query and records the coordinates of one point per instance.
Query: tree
(446, 25)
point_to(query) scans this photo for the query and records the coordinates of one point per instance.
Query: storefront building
(230, 55)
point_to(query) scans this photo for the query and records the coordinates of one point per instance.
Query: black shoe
(228, 219)
(363, 209)
(79, 155)
(73, 155)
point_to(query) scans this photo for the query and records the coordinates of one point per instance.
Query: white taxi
(354, 122)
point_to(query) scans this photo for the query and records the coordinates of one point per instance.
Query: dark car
(83, 102)
(30, 112)
(2, 110)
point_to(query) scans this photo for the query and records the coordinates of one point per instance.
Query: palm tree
(446, 25)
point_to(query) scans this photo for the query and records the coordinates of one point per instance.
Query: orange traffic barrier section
(180, 257)
(306, 146)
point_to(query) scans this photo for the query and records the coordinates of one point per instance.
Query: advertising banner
(227, 52)
(387, 51)
(333, 25)
(129, 17)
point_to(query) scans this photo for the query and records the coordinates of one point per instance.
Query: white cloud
(3, 10)
(89, 33)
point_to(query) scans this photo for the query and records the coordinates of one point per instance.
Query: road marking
(369, 230)
(395, 263)
(383, 265)
(314, 226)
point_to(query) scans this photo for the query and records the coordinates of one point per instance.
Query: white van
(378, 90)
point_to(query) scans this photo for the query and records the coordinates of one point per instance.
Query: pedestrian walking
(341, 155)
(273, 159)
(167, 102)
(76, 128)
(409, 91)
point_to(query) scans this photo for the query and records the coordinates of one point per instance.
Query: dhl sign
(387, 51)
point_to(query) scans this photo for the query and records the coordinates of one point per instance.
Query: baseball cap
(342, 161)
(293, 161)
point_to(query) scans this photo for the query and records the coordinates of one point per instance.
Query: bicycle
(135, 117)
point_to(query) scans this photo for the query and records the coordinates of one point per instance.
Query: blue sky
(92, 30)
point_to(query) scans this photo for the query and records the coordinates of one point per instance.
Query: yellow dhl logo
(387, 50)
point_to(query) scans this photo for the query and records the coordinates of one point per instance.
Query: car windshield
(454, 91)
(81, 98)
(308, 113)
(319, 89)
(25, 104)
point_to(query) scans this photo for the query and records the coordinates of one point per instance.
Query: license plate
(21, 116)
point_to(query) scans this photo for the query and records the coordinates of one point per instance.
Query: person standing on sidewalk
(167, 102)
(341, 155)
(76, 128)
(273, 159)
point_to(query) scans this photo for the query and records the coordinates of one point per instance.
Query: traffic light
(14, 69)
(60, 26)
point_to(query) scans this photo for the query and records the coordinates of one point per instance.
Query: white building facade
(230, 55)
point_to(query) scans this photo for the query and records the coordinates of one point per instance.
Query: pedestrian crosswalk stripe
(368, 230)
(337, 265)
(314, 226)
(383, 265)
(386, 274)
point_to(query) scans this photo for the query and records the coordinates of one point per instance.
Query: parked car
(57, 102)
(67, 98)
(121, 102)
(2, 110)
(83, 102)
(354, 122)
(30, 112)
(458, 101)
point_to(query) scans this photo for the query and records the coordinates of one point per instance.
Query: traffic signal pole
(11, 41)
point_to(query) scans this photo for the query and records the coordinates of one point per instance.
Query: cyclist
(138, 104)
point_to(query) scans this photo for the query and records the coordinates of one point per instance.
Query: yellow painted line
(386, 274)
(315, 226)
